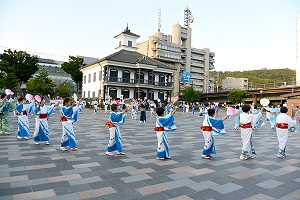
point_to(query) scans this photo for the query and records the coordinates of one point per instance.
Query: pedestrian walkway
(29, 171)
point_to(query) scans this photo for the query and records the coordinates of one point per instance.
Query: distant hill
(259, 78)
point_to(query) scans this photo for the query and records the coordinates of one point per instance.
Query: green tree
(190, 95)
(236, 96)
(22, 64)
(72, 67)
(64, 89)
(41, 85)
(8, 78)
(9, 81)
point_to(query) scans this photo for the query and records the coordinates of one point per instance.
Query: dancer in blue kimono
(210, 127)
(193, 108)
(23, 110)
(237, 117)
(259, 121)
(116, 119)
(68, 116)
(273, 114)
(164, 125)
(43, 113)
(169, 108)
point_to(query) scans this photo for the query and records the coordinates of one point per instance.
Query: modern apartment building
(298, 50)
(176, 50)
(232, 83)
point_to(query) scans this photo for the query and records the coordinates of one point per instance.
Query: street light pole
(292, 84)
(261, 94)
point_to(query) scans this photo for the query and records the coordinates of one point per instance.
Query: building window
(113, 93)
(120, 43)
(129, 43)
(93, 94)
(100, 75)
(126, 77)
(162, 80)
(139, 77)
(125, 93)
(84, 79)
(113, 75)
(151, 78)
(94, 77)
(89, 78)
(84, 94)
(88, 94)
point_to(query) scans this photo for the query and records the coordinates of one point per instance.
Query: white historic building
(127, 73)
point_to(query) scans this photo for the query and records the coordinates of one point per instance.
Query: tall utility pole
(292, 84)
(218, 82)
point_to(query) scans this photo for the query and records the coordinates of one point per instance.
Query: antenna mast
(188, 17)
(159, 20)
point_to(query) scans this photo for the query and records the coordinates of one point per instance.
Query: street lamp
(292, 84)
(261, 94)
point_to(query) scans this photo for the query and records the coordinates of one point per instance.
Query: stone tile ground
(29, 171)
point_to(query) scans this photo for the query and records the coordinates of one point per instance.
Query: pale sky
(244, 34)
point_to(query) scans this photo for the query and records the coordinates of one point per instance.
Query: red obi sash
(110, 124)
(282, 125)
(24, 112)
(63, 118)
(159, 129)
(206, 128)
(248, 125)
(43, 116)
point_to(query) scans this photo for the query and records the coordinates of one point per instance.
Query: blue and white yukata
(169, 109)
(247, 121)
(68, 116)
(259, 121)
(193, 109)
(164, 125)
(237, 118)
(273, 114)
(217, 128)
(23, 110)
(284, 125)
(95, 104)
(115, 139)
(134, 110)
(41, 132)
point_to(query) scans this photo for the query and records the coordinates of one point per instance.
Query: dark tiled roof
(127, 32)
(133, 57)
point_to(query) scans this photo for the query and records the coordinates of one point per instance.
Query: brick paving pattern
(29, 171)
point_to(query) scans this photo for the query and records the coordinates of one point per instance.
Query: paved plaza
(29, 171)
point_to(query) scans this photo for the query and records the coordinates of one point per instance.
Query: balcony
(135, 82)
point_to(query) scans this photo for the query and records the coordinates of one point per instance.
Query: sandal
(120, 154)
(74, 149)
(63, 149)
